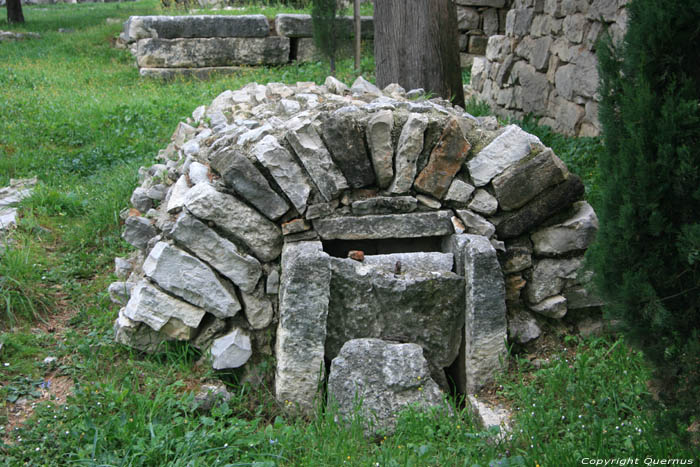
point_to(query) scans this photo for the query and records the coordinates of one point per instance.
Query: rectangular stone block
(199, 26)
(211, 52)
(426, 224)
(301, 333)
(300, 25)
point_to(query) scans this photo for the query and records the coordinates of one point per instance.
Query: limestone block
(521, 182)
(257, 308)
(284, 169)
(567, 115)
(487, 3)
(507, 148)
(230, 351)
(221, 254)
(119, 292)
(483, 203)
(498, 47)
(335, 86)
(344, 135)
(211, 52)
(301, 333)
(156, 309)
(534, 88)
(386, 377)
(459, 192)
(369, 299)
(518, 22)
(575, 233)
(137, 335)
(191, 279)
(607, 9)
(314, 156)
(522, 326)
(422, 261)
(381, 146)
(385, 205)
(241, 174)
(197, 26)
(540, 208)
(485, 316)
(409, 148)
(478, 44)
(237, 219)
(175, 199)
(300, 25)
(476, 224)
(579, 297)
(362, 86)
(467, 18)
(140, 200)
(552, 307)
(549, 277)
(138, 231)
(490, 22)
(427, 224)
(574, 27)
(445, 161)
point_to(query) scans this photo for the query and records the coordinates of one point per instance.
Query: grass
(76, 114)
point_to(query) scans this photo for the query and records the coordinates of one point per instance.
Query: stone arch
(469, 228)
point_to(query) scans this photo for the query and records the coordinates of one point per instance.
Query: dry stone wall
(478, 20)
(165, 46)
(545, 63)
(317, 225)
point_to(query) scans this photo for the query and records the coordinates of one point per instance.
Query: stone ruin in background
(389, 242)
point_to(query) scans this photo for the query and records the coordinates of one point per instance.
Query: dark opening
(385, 246)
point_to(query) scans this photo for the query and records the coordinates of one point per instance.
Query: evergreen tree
(647, 257)
(325, 24)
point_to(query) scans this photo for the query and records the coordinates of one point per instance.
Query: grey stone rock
(576, 233)
(288, 107)
(140, 200)
(484, 203)
(549, 277)
(368, 299)
(137, 335)
(236, 219)
(122, 268)
(476, 224)
(409, 148)
(459, 192)
(176, 196)
(516, 259)
(518, 21)
(381, 146)
(191, 279)
(540, 208)
(421, 261)
(241, 174)
(157, 192)
(522, 327)
(156, 309)
(316, 159)
(552, 307)
(301, 25)
(344, 135)
(579, 297)
(428, 201)
(385, 205)
(521, 182)
(467, 18)
(210, 328)
(488, 3)
(210, 395)
(314, 211)
(485, 325)
(386, 377)
(171, 27)
(272, 284)
(242, 269)
(231, 351)
(488, 416)
(257, 308)
(286, 172)
(335, 86)
(295, 226)
(534, 88)
(362, 86)
(301, 333)
(119, 292)
(512, 145)
(412, 225)
(138, 231)
(574, 27)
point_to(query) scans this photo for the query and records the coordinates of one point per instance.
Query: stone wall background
(545, 63)
(477, 20)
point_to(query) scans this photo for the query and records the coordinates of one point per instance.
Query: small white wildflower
(225, 445)
(6, 364)
(580, 416)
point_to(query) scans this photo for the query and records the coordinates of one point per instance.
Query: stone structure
(10, 196)
(545, 64)
(478, 20)
(319, 221)
(165, 46)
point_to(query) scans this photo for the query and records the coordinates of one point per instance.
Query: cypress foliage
(647, 257)
(323, 16)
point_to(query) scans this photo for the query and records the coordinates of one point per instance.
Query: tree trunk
(358, 34)
(416, 46)
(14, 12)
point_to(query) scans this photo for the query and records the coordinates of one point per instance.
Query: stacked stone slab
(478, 20)
(165, 46)
(234, 225)
(545, 64)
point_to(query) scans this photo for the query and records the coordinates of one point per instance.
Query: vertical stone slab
(407, 153)
(485, 326)
(301, 333)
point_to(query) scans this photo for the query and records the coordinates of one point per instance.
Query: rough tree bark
(416, 45)
(14, 12)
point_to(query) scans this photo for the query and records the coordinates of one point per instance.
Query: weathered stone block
(301, 333)
(409, 149)
(549, 277)
(344, 135)
(385, 205)
(230, 351)
(381, 147)
(575, 233)
(198, 26)
(138, 231)
(428, 224)
(300, 25)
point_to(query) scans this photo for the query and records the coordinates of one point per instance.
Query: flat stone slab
(424, 224)
(301, 333)
(384, 205)
(384, 377)
(211, 52)
(301, 25)
(428, 262)
(197, 26)
(414, 305)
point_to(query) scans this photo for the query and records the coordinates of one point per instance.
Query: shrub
(646, 256)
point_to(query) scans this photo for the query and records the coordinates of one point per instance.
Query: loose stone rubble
(314, 223)
(10, 196)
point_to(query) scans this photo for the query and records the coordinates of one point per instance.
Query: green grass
(76, 114)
